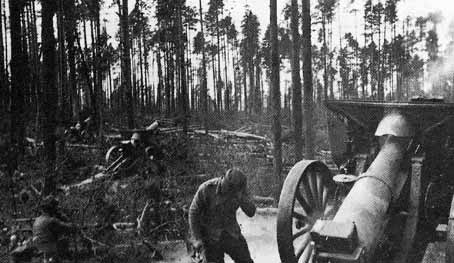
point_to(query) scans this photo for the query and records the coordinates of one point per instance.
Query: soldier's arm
(195, 213)
(246, 203)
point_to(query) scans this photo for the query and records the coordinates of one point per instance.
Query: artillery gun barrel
(368, 201)
(346, 223)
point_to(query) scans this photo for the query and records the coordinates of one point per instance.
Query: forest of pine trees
(195, 64)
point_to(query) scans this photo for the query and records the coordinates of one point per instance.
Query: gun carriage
(394, 186)
(116, 159)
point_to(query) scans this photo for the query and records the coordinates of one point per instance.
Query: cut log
(244, 135)
(97, 177)
(87, 146)
(242, 129)
(218, 134)
(152, 126)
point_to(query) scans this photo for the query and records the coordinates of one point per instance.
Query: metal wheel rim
(112, 154)
(308, 194)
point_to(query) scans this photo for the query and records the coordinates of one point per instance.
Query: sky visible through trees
(348, 18)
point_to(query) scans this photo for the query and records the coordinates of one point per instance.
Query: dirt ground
(435, 253)
(259, 232)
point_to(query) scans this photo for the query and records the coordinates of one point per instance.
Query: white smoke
(439, 75)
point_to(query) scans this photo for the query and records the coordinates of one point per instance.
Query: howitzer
(118, 163)
(115, 157)
(394, 185)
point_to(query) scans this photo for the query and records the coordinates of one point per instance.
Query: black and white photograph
(226, 131)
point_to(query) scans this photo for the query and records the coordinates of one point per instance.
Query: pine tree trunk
(238, 80)
(70, 32)
(146, 68)
(188, 69)
(252, 97)
(246, 102)
(392, 63)
(204, 84)
(159, 92)
(6, 37)
(258, 93)
(307, 77)
(109, 72)
(235, 86)
(142, 88)
(94, 72)
(172, 80)
(99, 74)
(381, 91)
(86, 72)
(168, 83)
(3, 83)
(276, 98)
(183, 95)
(17, 65)
(330, 55)
(26, 77)
(214, 82)
(227, 88)
(219, 80)
(89, 90)
(126, 63)
(50, 91)
(325, 66)
(36, 68)
(65, 102)
(296, 81)
(31, 58)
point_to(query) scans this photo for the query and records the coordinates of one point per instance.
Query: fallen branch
(244, 135)
(95, 178)
(93, 241)
(210, 133)
(242, 129)
(142, 216)
(76, 145)
(218, 134)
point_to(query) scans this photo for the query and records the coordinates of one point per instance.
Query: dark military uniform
(212, 219)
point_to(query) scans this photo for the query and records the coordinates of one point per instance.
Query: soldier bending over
(212, 218)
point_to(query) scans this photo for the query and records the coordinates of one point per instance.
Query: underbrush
(186, 162)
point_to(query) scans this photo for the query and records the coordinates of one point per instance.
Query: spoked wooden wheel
(308, 194)
(113, 154)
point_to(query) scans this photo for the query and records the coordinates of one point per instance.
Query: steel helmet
(135, 136)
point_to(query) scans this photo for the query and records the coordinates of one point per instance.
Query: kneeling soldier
(212, 218)
(48, 229)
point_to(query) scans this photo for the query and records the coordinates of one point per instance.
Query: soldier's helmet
(234, 180)
(135, 138)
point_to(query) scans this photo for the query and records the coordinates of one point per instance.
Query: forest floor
(259, 232)
(186, 162)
